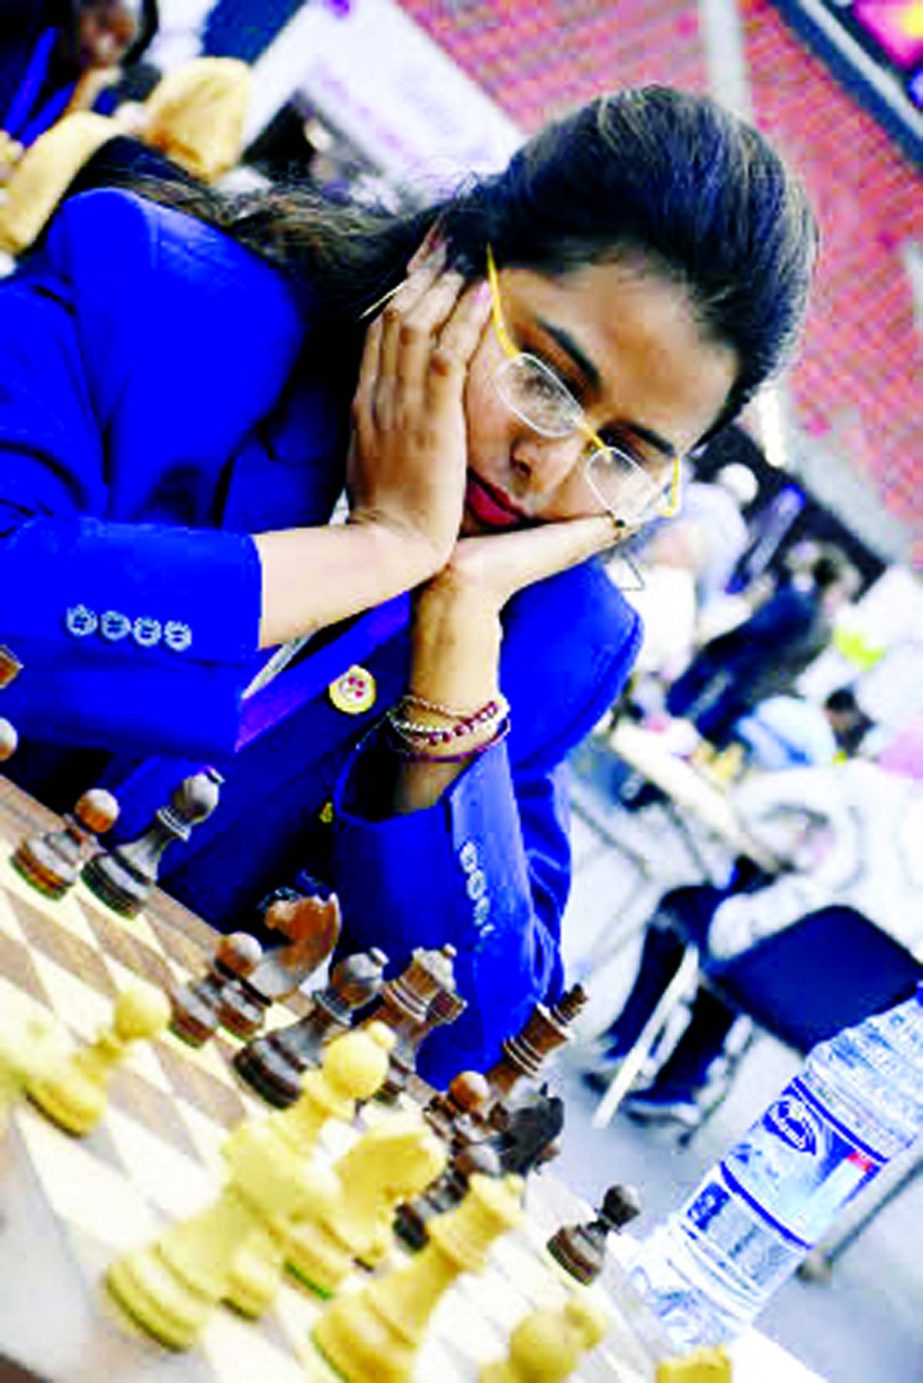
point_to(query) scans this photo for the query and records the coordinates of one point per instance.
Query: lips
(491, 507)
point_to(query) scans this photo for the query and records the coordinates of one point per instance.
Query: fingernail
(434, 257)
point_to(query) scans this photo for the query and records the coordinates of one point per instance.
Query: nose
(546, 465)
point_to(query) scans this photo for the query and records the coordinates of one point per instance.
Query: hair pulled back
(676, 183)
(669, 180)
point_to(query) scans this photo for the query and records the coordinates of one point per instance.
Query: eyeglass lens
(535, 394)
(622, 486)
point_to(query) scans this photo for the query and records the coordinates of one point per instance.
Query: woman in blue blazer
(503, 383)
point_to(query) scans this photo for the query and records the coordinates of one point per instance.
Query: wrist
(408, 554)
(456, 651)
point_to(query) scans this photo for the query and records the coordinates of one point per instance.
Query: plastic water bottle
(711, 1267)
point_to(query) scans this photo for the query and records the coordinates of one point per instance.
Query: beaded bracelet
(421, 757)
(450, 712)
(436, 734)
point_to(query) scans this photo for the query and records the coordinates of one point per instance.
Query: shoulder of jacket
(160, 294)
(106, 235)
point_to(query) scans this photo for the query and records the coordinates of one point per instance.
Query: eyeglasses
(533, 391)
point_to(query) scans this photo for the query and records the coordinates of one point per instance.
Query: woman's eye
(628, 446)
(544, 386)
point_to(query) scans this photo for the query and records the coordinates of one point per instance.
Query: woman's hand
(457, 633)
(406, 469)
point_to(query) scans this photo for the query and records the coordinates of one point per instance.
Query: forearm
(313, 577)
(456, 654)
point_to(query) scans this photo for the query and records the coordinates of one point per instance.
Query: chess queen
(504, 384)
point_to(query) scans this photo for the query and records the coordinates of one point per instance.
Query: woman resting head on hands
(505, 382)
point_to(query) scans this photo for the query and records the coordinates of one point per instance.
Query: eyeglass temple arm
(675, 497)
(503, 336)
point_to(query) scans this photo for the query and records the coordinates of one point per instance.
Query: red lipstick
(491, 507)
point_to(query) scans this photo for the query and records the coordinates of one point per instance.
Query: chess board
(68, 1206)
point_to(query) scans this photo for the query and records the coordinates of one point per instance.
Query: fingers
(417, 351)
(458, 340)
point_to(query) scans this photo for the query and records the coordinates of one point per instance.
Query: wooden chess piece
(24, 1055)
(195, 1007)
(444, 1008)
(531, 1130)
(547, 1345)
(125, 877)
(581, 1249)
(9, 740)
(312, 926)
(411, 1218)
(352, 1069)
(523, 1055)
(405, 1000)
(52, 862)
(172, 1287)
(10, 666)
(74, 1090)
(373, 1335)
(457, 1115)
(707, 1365)
(395, 1160)
(273, 1065)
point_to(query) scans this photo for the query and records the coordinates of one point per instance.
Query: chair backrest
(832, 969)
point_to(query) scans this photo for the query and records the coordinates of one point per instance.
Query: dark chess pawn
(411, 1219)
(404, 1004)
(195, 1007)
(312, 926)
(125, 877)
(524, 1055)
(52, 862)
(581, 1249)
(445, 1007)
(273, 1065)
(457, 1115)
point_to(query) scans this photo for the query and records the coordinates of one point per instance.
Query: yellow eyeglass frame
(672, 503)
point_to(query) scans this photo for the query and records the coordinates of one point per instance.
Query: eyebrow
(592, 376)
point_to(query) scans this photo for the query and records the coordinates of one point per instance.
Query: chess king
(504, 383)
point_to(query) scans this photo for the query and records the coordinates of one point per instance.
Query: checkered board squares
(156, 1157)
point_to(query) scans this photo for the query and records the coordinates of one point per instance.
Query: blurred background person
(844, 836)
(767, 652)
(190, 127)
(59, 56)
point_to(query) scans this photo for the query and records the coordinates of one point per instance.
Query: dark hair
(666, 178)
(831, 567)
(842, 701)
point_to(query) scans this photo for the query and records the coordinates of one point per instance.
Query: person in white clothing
(844, 836)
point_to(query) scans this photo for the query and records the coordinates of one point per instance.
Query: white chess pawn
(23, 1055)
(546, 1346)
(74, 1089)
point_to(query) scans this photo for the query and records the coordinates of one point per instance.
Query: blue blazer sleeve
(487, 868)
(126, 382)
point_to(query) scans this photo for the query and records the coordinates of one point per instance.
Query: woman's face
(625, 342)
(107, 30)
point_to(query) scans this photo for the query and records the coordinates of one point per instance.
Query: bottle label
(799, 1164)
